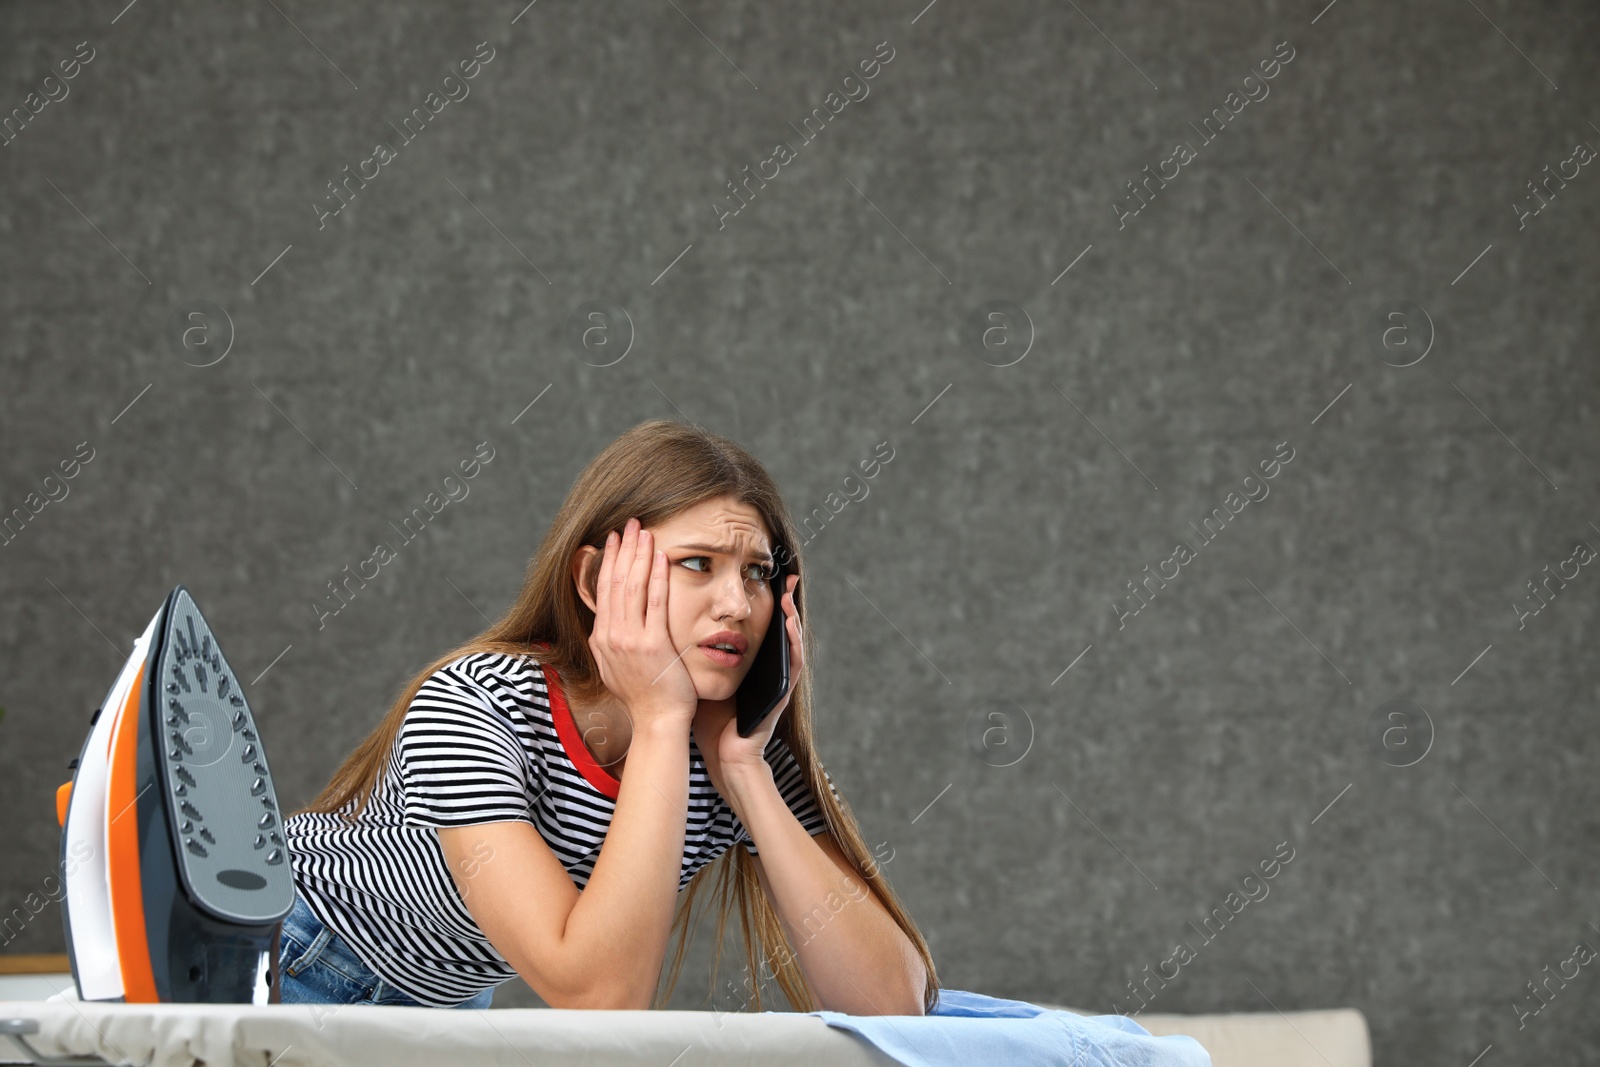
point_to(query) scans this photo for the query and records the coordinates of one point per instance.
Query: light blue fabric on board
(970, 1028)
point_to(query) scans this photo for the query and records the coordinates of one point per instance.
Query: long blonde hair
(654, 471)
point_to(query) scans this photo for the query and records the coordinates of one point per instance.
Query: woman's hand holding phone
(716, 733)
(630, 641)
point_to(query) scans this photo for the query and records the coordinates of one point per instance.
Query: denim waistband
(319, 966)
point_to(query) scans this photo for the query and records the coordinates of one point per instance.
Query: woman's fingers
(604, 584)
(627, 548)
(655, 614)
(791, 623)
(631, 639)
(628, 581)
(638, 578)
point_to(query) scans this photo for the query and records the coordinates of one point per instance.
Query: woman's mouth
(723, 656)
(725, 648)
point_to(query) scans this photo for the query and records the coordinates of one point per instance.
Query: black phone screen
(768, 679)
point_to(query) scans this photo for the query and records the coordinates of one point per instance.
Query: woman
(487, 828)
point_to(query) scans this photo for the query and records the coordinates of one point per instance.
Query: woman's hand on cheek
(716, 731)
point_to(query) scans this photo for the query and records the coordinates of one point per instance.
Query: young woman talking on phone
(537, 797)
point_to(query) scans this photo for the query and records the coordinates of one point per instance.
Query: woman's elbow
(912, 1003)
(565, 989)
(609, 996)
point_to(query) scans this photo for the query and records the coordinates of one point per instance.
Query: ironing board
(286, 1035)
(321, 1035)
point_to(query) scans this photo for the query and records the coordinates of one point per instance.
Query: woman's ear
(581, 562)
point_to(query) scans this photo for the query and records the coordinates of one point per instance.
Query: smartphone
(768, 679)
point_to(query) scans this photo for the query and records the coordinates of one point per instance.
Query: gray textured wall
(1380, 184)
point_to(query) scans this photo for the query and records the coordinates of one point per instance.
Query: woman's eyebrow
(727, 550)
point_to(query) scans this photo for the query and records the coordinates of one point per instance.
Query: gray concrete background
(1376, 185)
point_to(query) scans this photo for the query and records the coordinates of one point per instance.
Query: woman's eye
(754, 572)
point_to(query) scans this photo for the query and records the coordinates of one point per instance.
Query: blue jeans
(319, 967)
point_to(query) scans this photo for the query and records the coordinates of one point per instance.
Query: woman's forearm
(623, 918)
(854, 955)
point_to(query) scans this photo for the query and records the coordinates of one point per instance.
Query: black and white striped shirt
(488, 738)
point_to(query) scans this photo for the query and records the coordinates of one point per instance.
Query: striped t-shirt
(488, 738)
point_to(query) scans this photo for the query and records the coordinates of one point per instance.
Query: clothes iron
(172, 851)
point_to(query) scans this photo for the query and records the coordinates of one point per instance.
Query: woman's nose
(732, 601)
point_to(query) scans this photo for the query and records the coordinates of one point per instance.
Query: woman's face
(719, 559)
